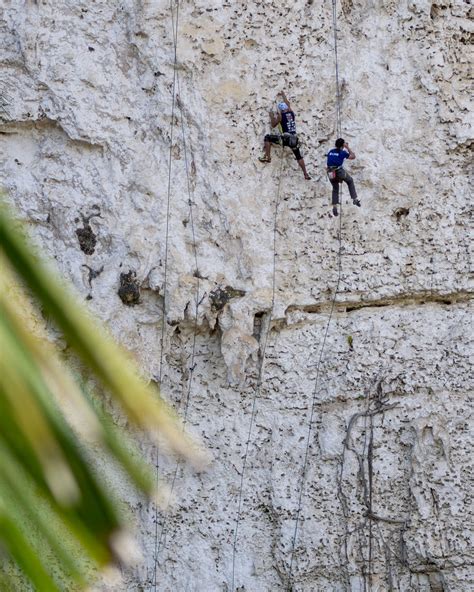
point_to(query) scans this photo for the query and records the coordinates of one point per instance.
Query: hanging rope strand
(165, 280)
(259, 378)
(336, 62)
(321, 354)
(165, 527)
(313, 405)
(170, 159)
(195, 256)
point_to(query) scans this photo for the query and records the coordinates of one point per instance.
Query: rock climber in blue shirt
(337, 174)
(285, 118)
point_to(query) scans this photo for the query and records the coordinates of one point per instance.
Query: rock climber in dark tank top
(285, 118)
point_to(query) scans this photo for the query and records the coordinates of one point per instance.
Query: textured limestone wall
(86, 111)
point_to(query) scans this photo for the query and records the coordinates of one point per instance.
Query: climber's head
(282, 106)
(340, 142)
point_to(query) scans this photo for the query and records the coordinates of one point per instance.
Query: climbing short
(277, 139)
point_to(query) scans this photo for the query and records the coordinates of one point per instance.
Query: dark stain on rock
(401, 213)
(257, 325)
(129, 291)
(85, 235)
(221, 296)
(197, 274)
(87, 239)
(93, 273)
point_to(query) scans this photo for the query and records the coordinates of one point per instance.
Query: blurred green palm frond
(59, 521)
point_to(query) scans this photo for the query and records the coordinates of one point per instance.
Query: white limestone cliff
(86, 110)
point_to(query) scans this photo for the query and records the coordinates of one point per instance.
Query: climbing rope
(165, 298)
(165, 528)
(170, 159)
(196, 268)
(336, 62)
(333, 303)
(259, 378)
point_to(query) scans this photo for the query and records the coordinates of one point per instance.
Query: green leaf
(58, 518)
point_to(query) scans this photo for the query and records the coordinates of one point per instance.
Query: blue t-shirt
(287, 123)
(336, 157)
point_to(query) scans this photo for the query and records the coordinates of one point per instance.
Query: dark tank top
(288, 124)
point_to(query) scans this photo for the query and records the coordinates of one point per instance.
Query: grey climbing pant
(342, 175)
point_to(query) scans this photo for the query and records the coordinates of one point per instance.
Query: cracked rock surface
(89, 138)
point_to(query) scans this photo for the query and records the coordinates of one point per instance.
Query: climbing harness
(258, 386)
(321, 354)
(292, 140)
(332, 173)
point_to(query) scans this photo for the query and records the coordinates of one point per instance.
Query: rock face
(162, 204)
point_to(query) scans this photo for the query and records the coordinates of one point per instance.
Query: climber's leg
(303, 168)
(267, 147)
(300, 161)
(335, 196)
(335, 192)
(352, 190)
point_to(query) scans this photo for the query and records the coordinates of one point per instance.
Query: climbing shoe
(264, 159)
(334, 211)
(356, 202)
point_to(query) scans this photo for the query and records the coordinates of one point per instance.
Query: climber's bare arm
(285, 98)
(351, 154)
(275, 118)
